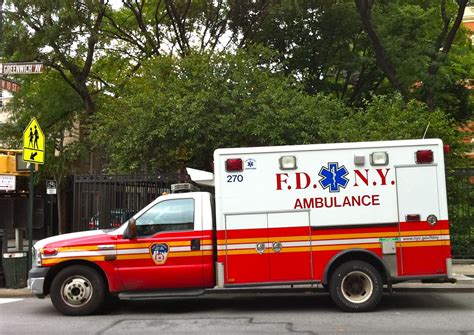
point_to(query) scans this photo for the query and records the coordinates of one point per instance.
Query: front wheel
(77, 290)
(356, 286)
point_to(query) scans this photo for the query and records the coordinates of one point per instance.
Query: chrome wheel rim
(357, 287)
(76, 291)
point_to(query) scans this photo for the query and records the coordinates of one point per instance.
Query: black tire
(356, 286)
(78, 290)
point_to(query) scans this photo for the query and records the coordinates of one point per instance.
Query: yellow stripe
(423, 244)
(172, 254)
(355, 235)
(347, 246)
(426, 232)
(121, 246)
(301, 249)
(291, 249)
(240, 252)
(78, 248)
(316, 237)
(335, 236)
(129, 257)
(51, 261)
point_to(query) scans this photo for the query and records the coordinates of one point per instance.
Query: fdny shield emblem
(159, 252)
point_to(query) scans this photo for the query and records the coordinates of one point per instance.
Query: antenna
(426, 130)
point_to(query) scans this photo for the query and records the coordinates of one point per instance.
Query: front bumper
(36, 280)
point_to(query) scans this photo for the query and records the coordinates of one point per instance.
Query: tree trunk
(383, 60)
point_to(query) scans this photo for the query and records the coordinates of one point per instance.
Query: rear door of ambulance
(423, 224)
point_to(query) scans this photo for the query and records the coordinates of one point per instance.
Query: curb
(15, 293)
(456, 288)
(463, 261)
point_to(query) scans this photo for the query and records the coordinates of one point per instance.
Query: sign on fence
(7, 183)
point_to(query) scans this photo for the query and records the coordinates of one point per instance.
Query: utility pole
(1, 48)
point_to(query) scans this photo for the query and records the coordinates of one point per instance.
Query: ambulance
(354, 218)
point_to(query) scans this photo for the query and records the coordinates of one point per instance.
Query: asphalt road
(310, 313)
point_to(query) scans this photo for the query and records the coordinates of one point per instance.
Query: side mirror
(131, 231)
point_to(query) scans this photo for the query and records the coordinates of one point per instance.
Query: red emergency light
(424, 156)
(234, 165)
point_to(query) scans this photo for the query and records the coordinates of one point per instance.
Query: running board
(152, 295)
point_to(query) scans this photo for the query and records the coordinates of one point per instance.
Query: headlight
(36, 257)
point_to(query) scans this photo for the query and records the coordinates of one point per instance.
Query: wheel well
(58, 267)
(356, 255)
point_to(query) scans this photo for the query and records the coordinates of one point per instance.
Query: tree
(183, 109)
(321, 44)
(436, 54)
(164, 27)
(57, 108)
(64, 35)
(328, 47)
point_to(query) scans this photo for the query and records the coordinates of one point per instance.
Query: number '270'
(235, 178)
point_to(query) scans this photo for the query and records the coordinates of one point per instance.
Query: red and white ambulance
(354, 217)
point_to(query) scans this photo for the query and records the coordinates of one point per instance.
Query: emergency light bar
(424, 156)
(379, 158)
(288, 163)
(183, 188)
(234, 165)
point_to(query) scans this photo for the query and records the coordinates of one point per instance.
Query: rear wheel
(77, 290)
(356, 286)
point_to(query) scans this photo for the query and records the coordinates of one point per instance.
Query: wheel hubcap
(76, 291)
(357, 287)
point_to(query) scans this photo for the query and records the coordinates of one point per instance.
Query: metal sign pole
(30, 215)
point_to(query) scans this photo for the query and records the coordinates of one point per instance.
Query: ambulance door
(289, 246)
(167, 252)
(420, 248)
(246, 248)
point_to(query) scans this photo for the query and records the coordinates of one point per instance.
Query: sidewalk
(463, 272)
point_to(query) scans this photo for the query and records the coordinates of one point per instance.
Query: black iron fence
(106, 201)
(460, 184)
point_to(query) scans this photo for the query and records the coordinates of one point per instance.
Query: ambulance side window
(168, 215)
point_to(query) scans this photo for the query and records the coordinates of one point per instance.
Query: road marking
(8, 300)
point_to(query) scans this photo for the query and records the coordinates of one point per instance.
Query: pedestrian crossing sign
(33, 143)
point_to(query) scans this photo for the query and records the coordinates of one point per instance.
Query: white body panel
(369, 196)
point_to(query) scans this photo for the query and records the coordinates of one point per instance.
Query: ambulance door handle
(195, 244)
(260, 247)
(277, 246)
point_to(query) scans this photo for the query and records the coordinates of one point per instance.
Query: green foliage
(324, 45)
(390, 118)
(412, 34)
(178, 111)
(56, 107)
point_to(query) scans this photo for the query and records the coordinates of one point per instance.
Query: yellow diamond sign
(33, 143)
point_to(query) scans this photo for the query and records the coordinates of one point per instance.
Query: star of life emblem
(333, 177)
(159, 252)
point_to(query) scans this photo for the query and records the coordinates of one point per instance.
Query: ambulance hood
(83, 237)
